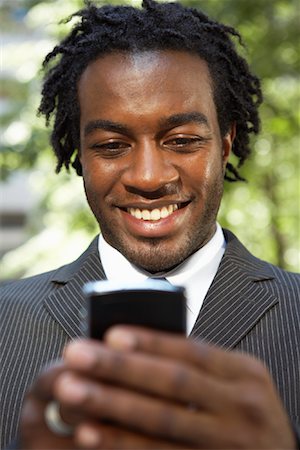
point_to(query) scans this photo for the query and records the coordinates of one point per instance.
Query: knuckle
(143, 338)
(118, 360)
(153, 341)
(112, 361)
(179, 378)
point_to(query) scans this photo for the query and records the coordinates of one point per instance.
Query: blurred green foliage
(264, 212)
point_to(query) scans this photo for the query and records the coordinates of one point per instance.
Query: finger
(94, 436)
(42, 391)
(33, 430)
(143, 413)
(42, 388)
(160, 421)
(149, 374)
(34, 433)
(208, 358)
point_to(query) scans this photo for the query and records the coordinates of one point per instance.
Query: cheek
(213, 166)
(202, 174)
(99, 175)
(196, 169)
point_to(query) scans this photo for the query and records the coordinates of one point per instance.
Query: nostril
(164, 191)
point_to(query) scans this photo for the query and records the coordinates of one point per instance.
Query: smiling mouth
(157, 213)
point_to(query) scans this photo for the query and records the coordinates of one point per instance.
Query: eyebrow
(181, 119)
(107, 125)
(166, 123)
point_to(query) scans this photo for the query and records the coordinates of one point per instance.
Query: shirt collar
(118, 268)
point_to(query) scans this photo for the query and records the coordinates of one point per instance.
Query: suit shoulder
(287, 282)
(26, 289)
(22, 282)
(289, 279)
(258, 269)
(285, 286)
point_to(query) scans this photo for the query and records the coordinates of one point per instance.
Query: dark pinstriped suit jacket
(251, 306)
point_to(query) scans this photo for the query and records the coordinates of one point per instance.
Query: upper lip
(154, 205)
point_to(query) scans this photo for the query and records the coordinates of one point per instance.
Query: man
(148, 105)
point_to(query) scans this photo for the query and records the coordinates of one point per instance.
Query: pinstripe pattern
(254, 307)
(251, 306)
(44, 313)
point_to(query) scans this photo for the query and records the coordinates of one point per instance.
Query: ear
(227, 142)
(77, 164)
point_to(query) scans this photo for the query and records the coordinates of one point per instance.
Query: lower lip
(154, 228)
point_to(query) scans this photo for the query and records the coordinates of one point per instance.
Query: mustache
(164, 191)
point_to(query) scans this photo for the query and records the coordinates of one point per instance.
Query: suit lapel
(238, 297)
(66, 302)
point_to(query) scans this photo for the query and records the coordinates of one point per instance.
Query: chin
(155, 256)
(160, 254)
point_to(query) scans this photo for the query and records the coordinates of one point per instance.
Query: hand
(33, 431)
(164, 391)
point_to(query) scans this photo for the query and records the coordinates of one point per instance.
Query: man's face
(152, 155)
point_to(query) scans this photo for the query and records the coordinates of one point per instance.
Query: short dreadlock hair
(155, 26)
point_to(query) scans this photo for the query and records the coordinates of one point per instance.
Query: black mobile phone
(152, 303)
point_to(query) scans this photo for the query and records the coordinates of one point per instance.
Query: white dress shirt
(196, 273)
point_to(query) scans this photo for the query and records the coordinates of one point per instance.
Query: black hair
(155, 26)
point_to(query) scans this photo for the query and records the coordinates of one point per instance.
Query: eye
(111, 148)
(185, 143)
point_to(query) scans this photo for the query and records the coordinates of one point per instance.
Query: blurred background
(44, 218)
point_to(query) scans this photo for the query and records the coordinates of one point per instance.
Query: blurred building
(17, 70)
(16, 202)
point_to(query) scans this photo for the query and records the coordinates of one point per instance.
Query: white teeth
(138, 213)
(146, 214)
(164, 212)
(155, 214)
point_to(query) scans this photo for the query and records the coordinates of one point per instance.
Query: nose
(150, 169)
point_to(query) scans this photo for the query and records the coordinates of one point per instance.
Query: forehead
(164, 82)
(123, 67)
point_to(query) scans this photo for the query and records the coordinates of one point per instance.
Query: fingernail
(88, 436)
(70, 389)
(120, 339)
(80, 355)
